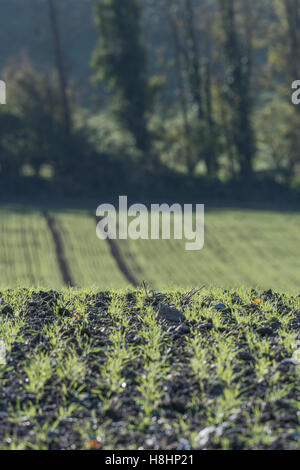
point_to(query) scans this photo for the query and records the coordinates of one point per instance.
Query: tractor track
(59, 250)
(120, 260)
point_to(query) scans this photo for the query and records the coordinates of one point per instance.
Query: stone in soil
(7, 311)
(170, 313)
(264, 331)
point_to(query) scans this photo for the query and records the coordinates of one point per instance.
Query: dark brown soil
(179, 387)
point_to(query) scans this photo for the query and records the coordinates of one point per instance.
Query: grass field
(89, 259)
(250, 248)
(81, 369)
(27, 250)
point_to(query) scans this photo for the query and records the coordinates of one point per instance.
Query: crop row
(99, 370)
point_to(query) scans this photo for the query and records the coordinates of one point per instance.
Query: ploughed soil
(256, 408)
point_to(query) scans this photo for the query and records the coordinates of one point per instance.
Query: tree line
(207, 96)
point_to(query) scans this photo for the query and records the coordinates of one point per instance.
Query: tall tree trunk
(238, 88)
(292, 8)
(193, 53)
(210, 122)
(190, 161)
(60, 64)
(192, 59)
(199, 87)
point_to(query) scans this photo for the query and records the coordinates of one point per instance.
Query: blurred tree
(193, 65)
(183, 101)
(33, 135)
(283, 46)
(238, 55)
(36, 102)
(10, 138)
(212, 133)
(53, 18)
(121, 61)
(292, 10)
(273, 124)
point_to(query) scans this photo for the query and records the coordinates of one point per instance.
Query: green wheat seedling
(25, 412)
(63, 413)
(260, 434)
(150, 381)
(277, 392)
(224, 367)
(70, 368)
(287, 340)
(118, 356)
(54, 334)
(91, 431)
(9, 331)
(111, 380)
(38, 370)
(108, 375)
(263, 368)
(200, 358)
(226, 406)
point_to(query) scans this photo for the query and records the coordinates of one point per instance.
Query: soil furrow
(121, 262)
(59, 249)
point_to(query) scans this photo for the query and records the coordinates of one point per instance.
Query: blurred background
(181, 100)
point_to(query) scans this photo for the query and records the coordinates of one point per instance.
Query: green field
(27, 250)
(89, 258)
(249, 248)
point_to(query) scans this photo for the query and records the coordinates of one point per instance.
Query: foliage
(196, 87)
(121, 60)
(34, 135)
(238, 55)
